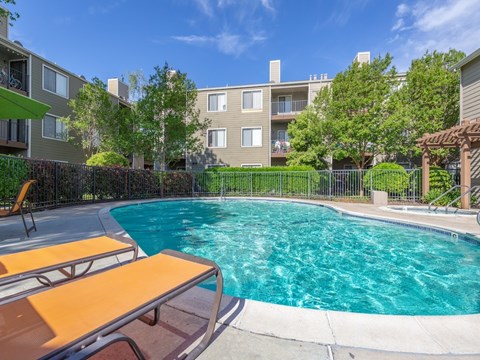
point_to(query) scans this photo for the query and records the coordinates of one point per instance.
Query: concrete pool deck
(254, 330)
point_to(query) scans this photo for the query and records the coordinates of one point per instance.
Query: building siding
(471, 90)
(44, 148)
(234, 119)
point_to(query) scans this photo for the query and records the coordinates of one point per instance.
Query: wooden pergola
(465, 136)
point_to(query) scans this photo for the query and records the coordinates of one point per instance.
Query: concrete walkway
(254, 330)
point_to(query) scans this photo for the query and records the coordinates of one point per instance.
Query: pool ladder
(468, 191)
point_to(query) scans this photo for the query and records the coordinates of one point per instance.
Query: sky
(230, 42)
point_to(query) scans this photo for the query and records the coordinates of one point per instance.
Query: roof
(467, 59)
(452, 137)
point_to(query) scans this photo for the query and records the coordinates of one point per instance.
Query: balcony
(14, 80)
(280, 148)
(287, 110)
(14, 133)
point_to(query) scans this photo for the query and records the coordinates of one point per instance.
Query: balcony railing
(13, 133)
(280, 147)
(288, 107)
(13, 79)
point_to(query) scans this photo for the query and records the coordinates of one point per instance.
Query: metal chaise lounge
(17, 206)
(78, 319)
(64, 259)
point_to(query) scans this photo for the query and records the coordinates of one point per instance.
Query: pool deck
(254, 330)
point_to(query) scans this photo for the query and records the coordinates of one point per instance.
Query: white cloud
(435, 25)
(234, 25)
(402, 10)
(205, 6)
(225, 42)
(344, 11)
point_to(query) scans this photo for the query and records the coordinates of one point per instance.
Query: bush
(389, 177)
(440, 179)
(108, 158)
(276, 180)
(14, 172)
(447, 199)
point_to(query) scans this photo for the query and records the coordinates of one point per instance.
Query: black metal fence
(64, 183)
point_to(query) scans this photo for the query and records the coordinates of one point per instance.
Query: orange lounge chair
(35, 263)
(18, 206)
(79, 319)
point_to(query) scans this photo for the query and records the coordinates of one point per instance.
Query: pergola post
(465, 170)
(425, 170)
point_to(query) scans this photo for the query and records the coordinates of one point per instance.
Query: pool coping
(434, 335)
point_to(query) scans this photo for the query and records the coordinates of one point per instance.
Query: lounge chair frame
(18, 206)
(38, 273)
(100, 338)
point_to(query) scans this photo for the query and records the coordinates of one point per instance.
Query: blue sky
(230, 42)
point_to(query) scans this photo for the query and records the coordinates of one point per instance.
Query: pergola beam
(466, 137)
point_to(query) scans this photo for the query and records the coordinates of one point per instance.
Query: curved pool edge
(435, 335)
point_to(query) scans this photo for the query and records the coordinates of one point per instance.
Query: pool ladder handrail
(469, 190)
(444, 194)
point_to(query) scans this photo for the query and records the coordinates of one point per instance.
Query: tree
(428, 102)
(97, 123)
(357, 114)
(11, 16)
(168, 120)
(308, 135)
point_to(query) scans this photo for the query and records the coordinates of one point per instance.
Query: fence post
(308, 195)
(330, 174)
(94, 184)
(221, 185)
(371, 181)
(193, 183)
(128, 184)
(414, 183)
(55, 176)
(281, 185)
(251, 184)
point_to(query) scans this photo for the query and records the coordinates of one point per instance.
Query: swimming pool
(311, 256)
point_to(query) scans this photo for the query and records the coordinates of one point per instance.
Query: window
(251, 137)
(54, 82)
(285, 104)
(217, 138)
(217, 102)
(53, 128)
(252, 100)
(251, 165)
(209, 166)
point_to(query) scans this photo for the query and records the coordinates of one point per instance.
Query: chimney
(118, 88)
(362, 57)
(275, 71)
(4, 23)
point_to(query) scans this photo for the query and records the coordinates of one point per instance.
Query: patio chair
(18, 206)
(36, 263)
(79, 319)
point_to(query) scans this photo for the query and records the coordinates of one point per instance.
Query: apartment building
(249, 123)
(29, 74)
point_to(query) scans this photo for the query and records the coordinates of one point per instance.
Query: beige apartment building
(31, 75)
(249, 123)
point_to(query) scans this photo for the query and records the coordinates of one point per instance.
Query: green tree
(9, 15)
(357, 113)
(428, 102)
(308, 135)
(98, 123)
(167, 118)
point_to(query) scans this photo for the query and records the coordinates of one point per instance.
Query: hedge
(389, 177)
(276, 180)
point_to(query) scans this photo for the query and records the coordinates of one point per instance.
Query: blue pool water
(313, 257)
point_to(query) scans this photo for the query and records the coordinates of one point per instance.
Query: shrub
(108, 158)
(14, 172)
(276, 180)
(389, 177)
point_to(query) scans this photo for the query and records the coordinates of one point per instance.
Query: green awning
(17, 106)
